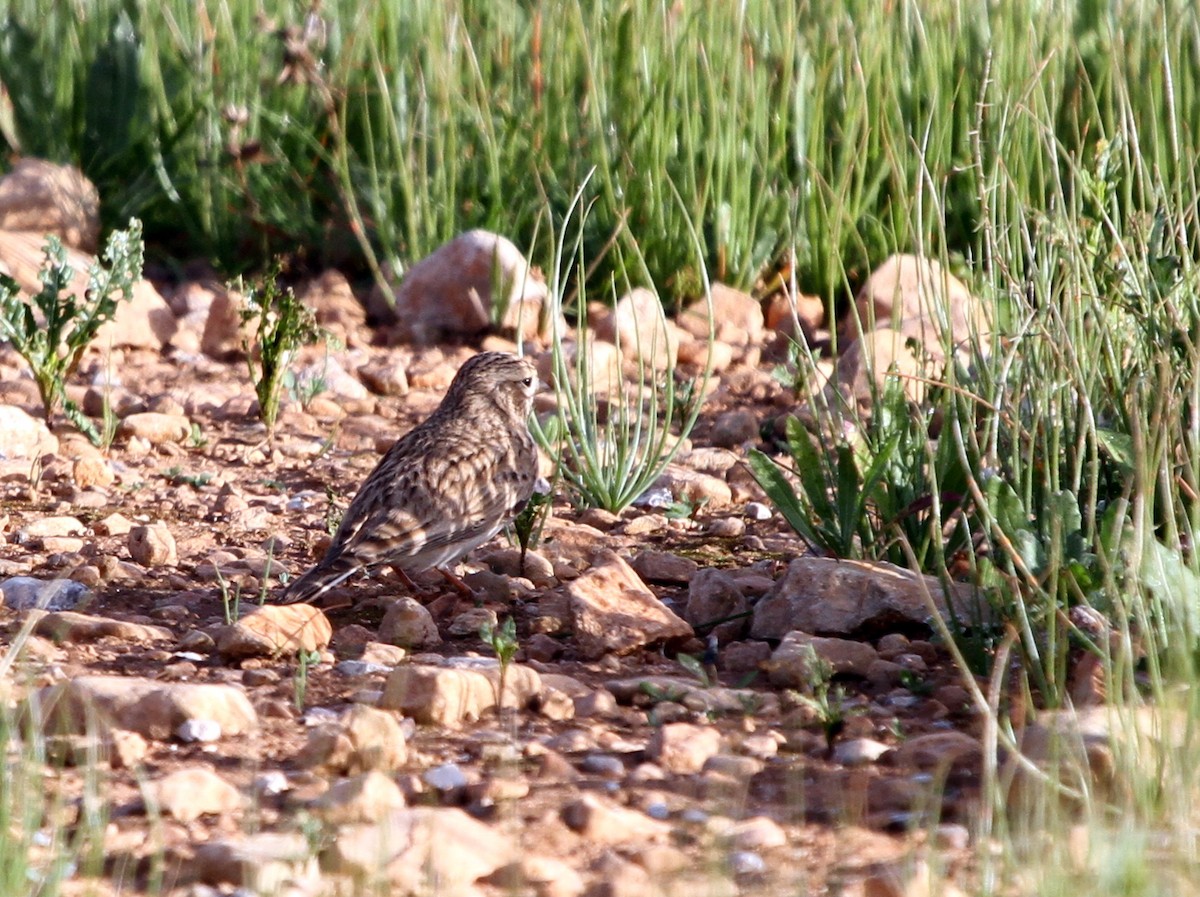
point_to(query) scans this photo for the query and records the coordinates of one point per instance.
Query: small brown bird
(446, 486)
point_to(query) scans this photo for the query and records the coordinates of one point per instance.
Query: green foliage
(527, 526)
(52, 329)
(612, 434)
(503, 641)
(305, 661)
(845, 500)
(282, 324)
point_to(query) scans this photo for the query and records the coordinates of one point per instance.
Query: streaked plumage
(446, 486)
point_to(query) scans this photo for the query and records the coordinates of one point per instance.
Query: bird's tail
(313, 586)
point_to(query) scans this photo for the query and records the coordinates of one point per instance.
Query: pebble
(447, 777)
(198, 730)
(603, 765)
(25, 592)
(756, 510)
(746, 862)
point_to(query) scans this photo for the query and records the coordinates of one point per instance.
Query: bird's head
(498, 378)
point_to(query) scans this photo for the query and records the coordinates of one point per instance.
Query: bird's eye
(528, 381)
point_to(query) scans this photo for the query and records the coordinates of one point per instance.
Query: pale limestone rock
(187, 794)
(683, 748)
(450, 292)
(142, 321)
(695, 487)
(756, 833)
(155, 428)
(115, 524)
(640, 329)
(419, 850)
(790, 664)
(910, 287)
(831, 596)
(364, 739)
(737, 316)
(225, 334)
(276, 630)
(613, 611)
(49, 527)
(547, 876)
(858, 751)
(89, 472)
(24, 436)
(150, 708)
(263, 863)
(908, 299)
(335, 306)
(385, 376)
(451, 695)
(77, 628)
(363, 798)
(45, 198)
(408, 624)
(601, 363)
(601, 821)
(153, 545)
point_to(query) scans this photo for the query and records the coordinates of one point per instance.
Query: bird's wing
(421, 502)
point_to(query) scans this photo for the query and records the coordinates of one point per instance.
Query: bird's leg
(459, 586)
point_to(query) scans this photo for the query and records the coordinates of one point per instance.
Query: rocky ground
(285, 751)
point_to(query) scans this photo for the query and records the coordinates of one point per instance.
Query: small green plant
(176, 476)
(503, 641)
(302, 389)
(305, 661)
(282, 324)
(821, 696)
(52, 329)
(527, 526)
(196, 438)
(231, 598)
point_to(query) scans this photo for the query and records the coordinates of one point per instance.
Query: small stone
(715, 596)
(198, 730)
(858, 751)
(360, 799)
(735, 428)
(601, 821)
(726, 528)
(756, 510)
(450, 696)
(25, 592)
(683, 747)
(24, 436)
(148, 707)
(115, 524)
(153, 546)
(155, 428)
(470, 621)
(89, 472)
(364, 739)
(276, 630)
(790, 665)
(263, 863)
(77, 628)
(447, 777)
(386, 377)
(47, 527)
(662, 566)
(126, 749)
(409, 625)
(188, 794)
